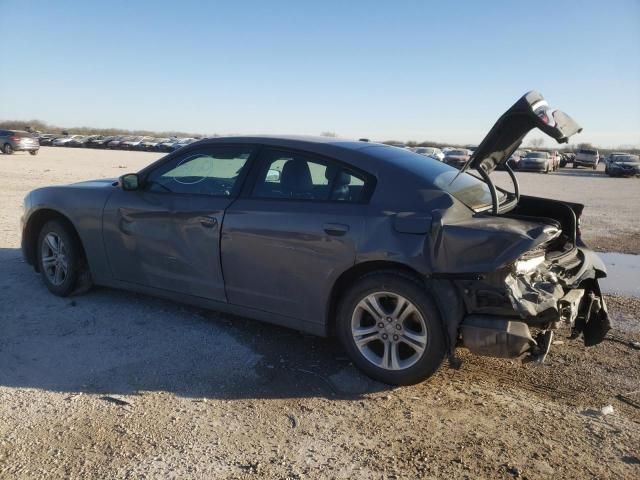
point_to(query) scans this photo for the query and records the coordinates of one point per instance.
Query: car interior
(306, 180)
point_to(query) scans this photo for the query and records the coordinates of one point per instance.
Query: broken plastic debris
(608, 410)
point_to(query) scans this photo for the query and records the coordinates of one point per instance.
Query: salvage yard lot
(113, 384)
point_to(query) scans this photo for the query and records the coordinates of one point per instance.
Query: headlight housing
(528, 265)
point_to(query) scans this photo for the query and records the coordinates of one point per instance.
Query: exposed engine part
(569, 306)
(496, 337)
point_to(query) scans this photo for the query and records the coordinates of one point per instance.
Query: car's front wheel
(391, 329)
(7, 149)
(59, 257)
(33, 152)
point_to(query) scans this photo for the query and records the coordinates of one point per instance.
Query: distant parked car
(81, 141)
(99, 141)
(115, 143)
(18, 140)
(46, 139)
(132, 143)
(63, 141)
(183, 142)
(514, 160)
(564, 159)
(432, 152)
(166, 145)
(149, 144)
(457, 158)
(608, 158)
(624, 165)
(537, 162)
(586, 157)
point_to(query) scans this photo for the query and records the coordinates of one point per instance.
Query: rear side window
(297, 176)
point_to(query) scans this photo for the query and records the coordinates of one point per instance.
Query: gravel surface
(116, 385)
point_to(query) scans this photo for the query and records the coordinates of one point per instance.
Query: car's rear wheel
(391, 329)
(59, 257)
(7, 149)
(33, 152)
(575, 165)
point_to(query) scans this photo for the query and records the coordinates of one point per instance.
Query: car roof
(299, 141)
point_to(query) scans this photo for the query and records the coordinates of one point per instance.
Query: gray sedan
(402, 257)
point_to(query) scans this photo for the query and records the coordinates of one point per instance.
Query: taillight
(15, 139)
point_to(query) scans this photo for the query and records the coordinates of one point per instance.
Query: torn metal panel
(535, 293)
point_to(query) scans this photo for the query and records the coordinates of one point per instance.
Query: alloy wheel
(389, 330)
(55, 263)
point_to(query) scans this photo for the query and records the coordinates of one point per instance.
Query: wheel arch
(447, 298)
(358, 270)
(32, 230)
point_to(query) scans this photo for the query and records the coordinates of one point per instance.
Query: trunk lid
(529, 112)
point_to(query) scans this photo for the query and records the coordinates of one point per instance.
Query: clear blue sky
(407, 70)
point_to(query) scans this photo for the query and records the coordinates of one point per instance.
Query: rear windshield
(457, 152)
(588, 152)
(468, 189)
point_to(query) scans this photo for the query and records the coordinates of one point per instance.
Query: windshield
(626, 158)
(457, 152)
(537, 155)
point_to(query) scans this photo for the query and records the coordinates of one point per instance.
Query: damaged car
(403, 258)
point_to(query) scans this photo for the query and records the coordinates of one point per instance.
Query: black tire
(72, 255)
(575, 165)
(7, 149)
(404, 285)
(595, 167)
(33, 152)
(547, 170)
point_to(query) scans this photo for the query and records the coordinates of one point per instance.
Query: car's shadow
(107, 341)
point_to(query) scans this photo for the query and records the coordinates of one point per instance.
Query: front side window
(212, 171)
(290, 175)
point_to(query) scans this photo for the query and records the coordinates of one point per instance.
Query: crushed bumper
(566, 292)
(501, 309)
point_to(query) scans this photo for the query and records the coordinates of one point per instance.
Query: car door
(166, 234)
(295, 230)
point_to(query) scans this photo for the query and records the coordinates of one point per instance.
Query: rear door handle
(208, 222)
(335, 229)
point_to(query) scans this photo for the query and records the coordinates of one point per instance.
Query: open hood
(529, 112)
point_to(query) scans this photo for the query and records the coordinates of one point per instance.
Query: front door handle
(208, 222)
(335, 229)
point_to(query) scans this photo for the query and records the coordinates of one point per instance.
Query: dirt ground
(117, 385)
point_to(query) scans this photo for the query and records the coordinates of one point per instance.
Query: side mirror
(129, 181)
(273, 175)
